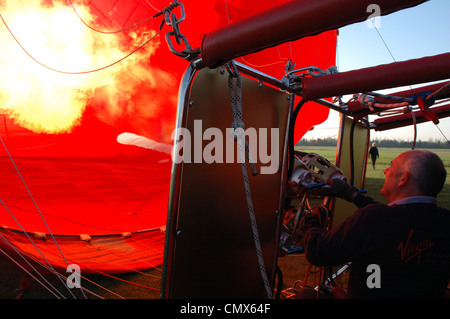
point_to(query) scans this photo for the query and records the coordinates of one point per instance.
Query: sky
(412, 33)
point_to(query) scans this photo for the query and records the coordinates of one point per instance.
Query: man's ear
(404, 179)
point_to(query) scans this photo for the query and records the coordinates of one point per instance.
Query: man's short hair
(429, 173)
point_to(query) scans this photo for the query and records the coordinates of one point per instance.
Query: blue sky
(412, 33)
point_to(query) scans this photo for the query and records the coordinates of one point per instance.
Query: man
(374, 154)
(400, 250)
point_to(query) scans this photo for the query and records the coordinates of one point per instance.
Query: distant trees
(379, 142)
(318, 142)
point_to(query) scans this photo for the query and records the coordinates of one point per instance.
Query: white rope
(236, 105)
(23, 268)
(32, 198)
(238, 125)
(43, 265)
(64, 278)
(369, 102)
(35, 204)
(31, 241)
(29, 264)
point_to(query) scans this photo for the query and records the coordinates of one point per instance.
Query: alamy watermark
(374, 20)
(223, 147)
(74, 279)
(374, 279)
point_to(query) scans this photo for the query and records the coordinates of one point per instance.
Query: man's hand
(321, 212)
(339, 188)
(317, 217)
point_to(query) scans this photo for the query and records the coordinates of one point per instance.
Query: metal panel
(210, 248)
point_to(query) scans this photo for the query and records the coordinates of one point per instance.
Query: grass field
(147, 284)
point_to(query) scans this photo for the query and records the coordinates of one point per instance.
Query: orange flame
(46, 101)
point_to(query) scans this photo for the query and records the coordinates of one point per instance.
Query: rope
(6, 241)
(26, 271)
(35, 204)
(31, 241)
(238, 125)
(369, 102)
(236, 104)
(87, 279)
(81, 72)
(62, 277)
(32, 198)
(120, 30)
(440, 92)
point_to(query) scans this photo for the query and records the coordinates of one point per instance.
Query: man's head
(414, 173)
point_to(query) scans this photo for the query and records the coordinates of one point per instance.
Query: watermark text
(212, 145)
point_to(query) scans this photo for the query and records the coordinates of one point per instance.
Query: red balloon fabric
(85, 140)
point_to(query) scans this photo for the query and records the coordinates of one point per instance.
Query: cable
(291, 135)
(152, 6)
(445, 137)
(5, 240)
(31, 241)
(62, 277)
(280, 282)
(35, 204)
(440, 92)
(116, 31)
(376, 29)
(26, 271)
(83, 72)
(385, 44)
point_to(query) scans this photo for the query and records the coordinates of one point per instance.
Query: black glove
(339, 188)
(321, 212)
(318, 217)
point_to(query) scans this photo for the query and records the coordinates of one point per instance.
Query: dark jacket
(410, 244)
(374, 152)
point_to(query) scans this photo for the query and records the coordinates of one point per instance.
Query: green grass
(375, 177)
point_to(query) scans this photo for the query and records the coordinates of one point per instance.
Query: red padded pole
(391, 122)
(287, 22)
(409, 93)
(355, 106)
(380, 77)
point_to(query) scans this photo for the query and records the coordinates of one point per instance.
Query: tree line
(379, 142)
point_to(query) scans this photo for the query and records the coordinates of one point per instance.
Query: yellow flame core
(46, 101)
